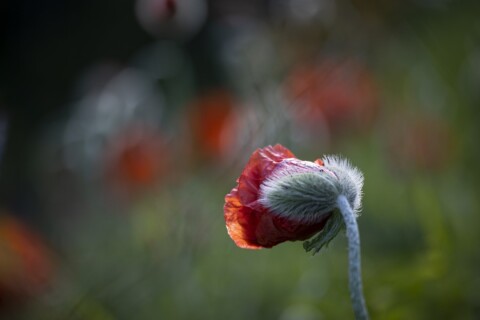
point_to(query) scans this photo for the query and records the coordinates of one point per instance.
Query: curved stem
(354, 267)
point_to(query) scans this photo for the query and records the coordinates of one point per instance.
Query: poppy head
(281, 198)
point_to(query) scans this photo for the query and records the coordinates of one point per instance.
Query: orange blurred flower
(25, 263)
(136, 158)
(214, 124)
(338, 93)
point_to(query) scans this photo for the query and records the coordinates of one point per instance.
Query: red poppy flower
(281, 198)
(249, 222)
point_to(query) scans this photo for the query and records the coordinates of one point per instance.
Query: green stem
(354, 267)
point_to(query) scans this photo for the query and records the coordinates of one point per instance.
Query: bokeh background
(123, 124)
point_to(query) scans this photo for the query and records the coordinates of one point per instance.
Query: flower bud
(281, 198)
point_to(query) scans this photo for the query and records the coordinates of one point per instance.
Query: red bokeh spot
(213, 123)
(136, 158)
(25, 263)
(340, 93)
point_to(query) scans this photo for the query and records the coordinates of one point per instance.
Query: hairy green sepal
(330, 231)
(303, 196)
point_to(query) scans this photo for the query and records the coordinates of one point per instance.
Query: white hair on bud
(354, 192)
(300, 190)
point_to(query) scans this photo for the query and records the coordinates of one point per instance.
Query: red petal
(261, 164)
(239, 220)
(240, 217)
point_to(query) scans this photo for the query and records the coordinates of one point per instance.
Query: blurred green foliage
(163, 252)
